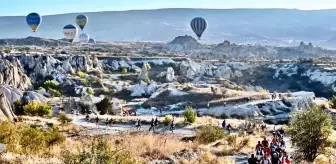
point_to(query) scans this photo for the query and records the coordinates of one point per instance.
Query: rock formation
(143, 89)
(143, 75)
(14, 94)
(12, 74)
(170, 76)
(6, 111)
(182, 43)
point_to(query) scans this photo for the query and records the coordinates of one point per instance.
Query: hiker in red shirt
(267, 151)
(285, 159)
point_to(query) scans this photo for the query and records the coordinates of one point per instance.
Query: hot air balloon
(70, 32)
(198, 25)
(83, 38)
(81, 21)
(34, 20)
(91, 40)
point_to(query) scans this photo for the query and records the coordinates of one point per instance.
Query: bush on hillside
(90, 91)
(167, 119)
(81, 74)
(54, 93)
(209, 133)
(34, 108)
(190, 115)
(104, 106)
(21, 139)
(98, 152)
(50, 85)
(148, 66)
(64, 118)
(309, 132)
(124, 70)
(106, 90)
(332, 102)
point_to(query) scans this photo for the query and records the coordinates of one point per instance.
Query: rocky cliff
(40, 66)
(6, 111)
(12, 74)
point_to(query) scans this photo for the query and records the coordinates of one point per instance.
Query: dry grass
(149, 146)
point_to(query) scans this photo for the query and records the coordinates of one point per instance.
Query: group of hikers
(153, 124)
(271, 152)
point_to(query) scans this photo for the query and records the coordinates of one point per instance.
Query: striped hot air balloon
(83, 38)
(34, 20)
(198, 25)
(81, 21)
(70, 32)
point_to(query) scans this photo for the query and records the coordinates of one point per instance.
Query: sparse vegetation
(50, 85)
(23, 139)
(34, 108)
(147, 80)
(263, 91)
(309, 133)
(52, 88)
(148, 66)
(332, 102)
(124, 70)
(98, 152)
(189, 114)
(64, 118)
(90, 91)
(85, 83)
(105, 90)
(209, 133)
(7, 51)
(55, 93)
(81, 74)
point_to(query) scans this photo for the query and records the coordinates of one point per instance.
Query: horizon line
(173, 8)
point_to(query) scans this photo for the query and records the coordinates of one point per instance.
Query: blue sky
(49, 7)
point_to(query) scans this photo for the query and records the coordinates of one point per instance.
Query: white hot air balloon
(70, 32)
(83, 38)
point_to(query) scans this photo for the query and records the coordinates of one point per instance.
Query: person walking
(107, 122)
(152, 124)
(228, 127)
(138, 124)
(97, 121)
(172, 125)
(224, 124)
(156, 122)
(252, 160)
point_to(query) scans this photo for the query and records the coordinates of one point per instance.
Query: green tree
(189, 115)
(309, 132)
(104, 106)
(332, 102)
(124, 70)
(50, 85)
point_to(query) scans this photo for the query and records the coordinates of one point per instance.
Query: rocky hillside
(182, 43)
(227, 50)
(33, 41)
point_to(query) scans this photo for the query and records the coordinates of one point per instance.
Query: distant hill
(33, 41)
(261, 26)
